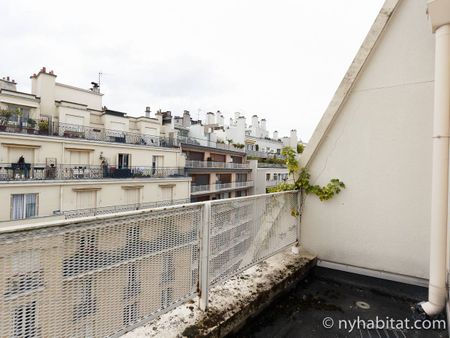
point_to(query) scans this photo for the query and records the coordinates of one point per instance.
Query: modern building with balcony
(218, 169)
(61, 150)
(269, 175)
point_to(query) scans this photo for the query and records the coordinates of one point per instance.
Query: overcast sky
(279, 59)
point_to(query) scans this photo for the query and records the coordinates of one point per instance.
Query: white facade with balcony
(61, 150)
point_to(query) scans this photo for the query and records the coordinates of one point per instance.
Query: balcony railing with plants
(74, 131)
(28, 171)
(219, 165)
(220, 186)
(263, 154)
(212, 144)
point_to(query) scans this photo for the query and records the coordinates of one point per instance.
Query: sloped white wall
(380, 146)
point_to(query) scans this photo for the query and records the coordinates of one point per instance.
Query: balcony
(215, 165)
(271, 165)
(263, 154)
(211, 144)
(209, 188)
(73, 131)
(35, 172)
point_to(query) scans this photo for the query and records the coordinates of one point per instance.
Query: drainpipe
(437, 291)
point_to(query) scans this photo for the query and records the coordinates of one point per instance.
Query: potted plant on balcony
(5, 116)
(43, 127)
(31, 124)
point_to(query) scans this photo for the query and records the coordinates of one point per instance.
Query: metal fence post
(204, 256)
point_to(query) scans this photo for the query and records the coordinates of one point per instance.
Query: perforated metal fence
(101, 276)
(245, 232)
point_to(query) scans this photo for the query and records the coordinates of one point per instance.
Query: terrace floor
(330, 293)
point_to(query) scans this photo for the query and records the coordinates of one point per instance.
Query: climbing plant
(301, 178)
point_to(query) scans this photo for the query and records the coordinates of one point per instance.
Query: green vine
(302, 181)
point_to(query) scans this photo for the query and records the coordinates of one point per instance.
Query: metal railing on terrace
(211, 144)
(273, 183)
(263, 154)
(30, 172)
(102, 276)
(220, 186)
(219, 165)
(271, 165)
(74, 131)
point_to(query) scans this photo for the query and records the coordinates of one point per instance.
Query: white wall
(380, 146)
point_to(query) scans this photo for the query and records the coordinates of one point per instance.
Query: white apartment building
(268, 175)
(61, 150)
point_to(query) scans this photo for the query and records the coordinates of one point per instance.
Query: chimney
(186, 118)
(255, 122)
(219, 118)
(210, 118)
(147, 112)
(263, 124)
(275, 135)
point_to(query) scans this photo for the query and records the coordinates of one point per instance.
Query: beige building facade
(61, 150)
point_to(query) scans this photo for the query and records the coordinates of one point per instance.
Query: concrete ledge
(231, 303)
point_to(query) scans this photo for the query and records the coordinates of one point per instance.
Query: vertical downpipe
(437, 293)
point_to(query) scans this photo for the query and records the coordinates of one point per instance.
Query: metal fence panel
(245, 231)
(99, 277)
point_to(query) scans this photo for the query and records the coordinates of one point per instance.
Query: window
(124, 161)
(267, 177)
(25, 320)
(157, 162)
(130, 314)
(275, 177)
(24, 206)
(25, 113)
(166, 194)
(86, 199)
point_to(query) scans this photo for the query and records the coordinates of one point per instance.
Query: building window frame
(24, 207)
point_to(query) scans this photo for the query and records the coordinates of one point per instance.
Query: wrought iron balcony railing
(28, 171)
(263, 154)
(92, 133)
(211, 144)
(75, 131)
(220, 186)
(216, 165)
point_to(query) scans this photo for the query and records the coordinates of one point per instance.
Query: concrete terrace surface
(233, 301)
(334, 294)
